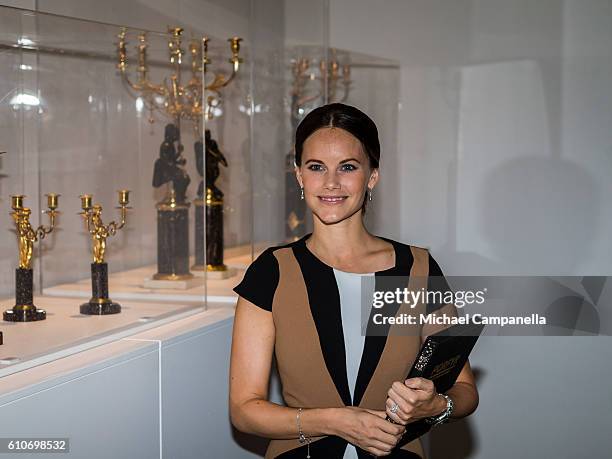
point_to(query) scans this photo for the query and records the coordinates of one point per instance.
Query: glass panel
(12, 118)
(374, 89)
(306, 87)
(227, 186)
(71, 126)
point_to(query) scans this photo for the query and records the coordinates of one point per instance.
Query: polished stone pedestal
(172, 242)
(99, 304)
(210, 259)
(24, 309)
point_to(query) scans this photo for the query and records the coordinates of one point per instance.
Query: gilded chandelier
(331, 81)
(173, 97)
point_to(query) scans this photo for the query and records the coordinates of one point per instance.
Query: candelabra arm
(87, 218)
(220, 81)
(126, 80)
(347, 88)
(113, 226)
(43, 230)
(305, 100)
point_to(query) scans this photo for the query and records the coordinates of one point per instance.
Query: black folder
(441, 359)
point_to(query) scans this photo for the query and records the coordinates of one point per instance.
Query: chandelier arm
(219, 81)
(307, 99)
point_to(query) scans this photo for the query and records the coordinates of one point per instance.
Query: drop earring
(302, 193)
(369, 194)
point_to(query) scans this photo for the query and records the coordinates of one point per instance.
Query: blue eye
(348, 167)
(315, 167)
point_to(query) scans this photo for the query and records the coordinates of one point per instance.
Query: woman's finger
(380, 448)
(379, 413)
(419, 383)
(393, 412)
(406, 404)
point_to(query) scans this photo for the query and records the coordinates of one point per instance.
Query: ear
(298, 176)
(373, 178)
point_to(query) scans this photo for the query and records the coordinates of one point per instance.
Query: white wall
(504, 168)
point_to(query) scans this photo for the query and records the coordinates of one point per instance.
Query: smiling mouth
(332, 199)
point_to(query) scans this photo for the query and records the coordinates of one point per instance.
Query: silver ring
(394, 408)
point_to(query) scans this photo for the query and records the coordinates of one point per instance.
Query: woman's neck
(340, 243)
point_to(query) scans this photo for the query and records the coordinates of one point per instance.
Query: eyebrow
(341, 162)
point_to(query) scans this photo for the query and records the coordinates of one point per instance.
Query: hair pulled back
(342, 116)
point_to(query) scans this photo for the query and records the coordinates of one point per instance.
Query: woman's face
(335, 174)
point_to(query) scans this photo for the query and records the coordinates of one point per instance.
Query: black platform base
(100, 309)
(24, 310)
(214, 233)
(18, 314)
(99, 304)
(172, 241)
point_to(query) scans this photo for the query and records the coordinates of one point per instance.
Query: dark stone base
(173, 241)
(18, 314)
(99, 281)
(24, 310)
(24, 285)
(100, 309)
(214, 233)
(99, 304)
(200, 251)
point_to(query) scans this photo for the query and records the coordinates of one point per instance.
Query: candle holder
(24, 309)
(100, 303)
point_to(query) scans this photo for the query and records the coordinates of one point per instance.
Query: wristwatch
(443, 417)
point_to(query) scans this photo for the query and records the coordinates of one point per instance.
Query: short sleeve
(260, 281)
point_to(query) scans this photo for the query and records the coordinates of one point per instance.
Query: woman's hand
(416, 398)
(369, 430)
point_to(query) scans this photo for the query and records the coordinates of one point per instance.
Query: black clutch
(441, 359)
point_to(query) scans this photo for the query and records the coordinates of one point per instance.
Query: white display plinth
(66, 331)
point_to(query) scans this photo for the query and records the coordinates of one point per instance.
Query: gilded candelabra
(172, 97)
(24, 309)
(329, 77)
(100, 303)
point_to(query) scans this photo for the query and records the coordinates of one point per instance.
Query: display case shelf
(66, 332)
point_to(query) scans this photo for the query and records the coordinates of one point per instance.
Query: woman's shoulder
(406, 247)
(411, 252)
(260, 279)
(266, 256)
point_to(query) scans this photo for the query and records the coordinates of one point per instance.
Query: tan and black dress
(301, 292)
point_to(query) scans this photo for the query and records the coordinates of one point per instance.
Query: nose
(331, 181)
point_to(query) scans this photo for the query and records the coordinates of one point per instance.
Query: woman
(300, 302)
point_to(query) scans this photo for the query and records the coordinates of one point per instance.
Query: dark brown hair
(344, 117)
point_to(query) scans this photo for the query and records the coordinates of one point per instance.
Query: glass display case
(195, 123)
(106, 119)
